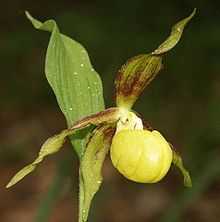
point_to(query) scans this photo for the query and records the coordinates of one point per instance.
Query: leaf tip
(187, 19)
(193, 12)
(9, 185)
(175, 35)
(187, 180)
(20, 175)
(37, 24)
(28, 15)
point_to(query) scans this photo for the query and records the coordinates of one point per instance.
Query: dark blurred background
(183, 103)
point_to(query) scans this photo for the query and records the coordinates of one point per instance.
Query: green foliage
(78, 90)
(91, 166)
(75, 83)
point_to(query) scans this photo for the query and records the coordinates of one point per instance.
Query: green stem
(81, 198)
(85, 199)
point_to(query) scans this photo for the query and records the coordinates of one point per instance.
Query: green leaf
(139, 71)
(76, 84)
(91, 166)
(177, 161)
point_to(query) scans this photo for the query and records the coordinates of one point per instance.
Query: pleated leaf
(76, 85)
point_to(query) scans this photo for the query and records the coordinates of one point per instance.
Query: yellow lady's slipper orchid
(141, 155)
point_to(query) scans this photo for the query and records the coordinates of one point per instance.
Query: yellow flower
(141, 155)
